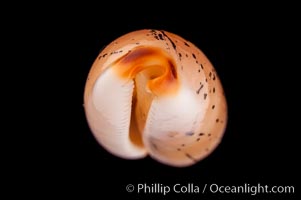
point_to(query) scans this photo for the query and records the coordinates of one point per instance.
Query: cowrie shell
(151, 92)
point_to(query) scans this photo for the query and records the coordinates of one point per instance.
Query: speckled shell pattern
(151, 92)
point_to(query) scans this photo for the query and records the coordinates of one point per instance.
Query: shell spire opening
(155, 64)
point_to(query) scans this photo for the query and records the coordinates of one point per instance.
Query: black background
(252, 49)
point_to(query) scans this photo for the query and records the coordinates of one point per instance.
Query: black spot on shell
(206, 80)
(178, 149)
(186, 44)
(186, 55)
(213, 106)
(114, 52)
(205, 96)
(189, 133)
(202, 66)
(172, 43)
(190, 157)
(209, 134)
(198, 91)
(198, 139)
(214, 90)
(217, 120)
(183, 145)
(200, 134)
(161, 36)
(193, 55)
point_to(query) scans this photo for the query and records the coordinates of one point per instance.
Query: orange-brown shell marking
(153, 93)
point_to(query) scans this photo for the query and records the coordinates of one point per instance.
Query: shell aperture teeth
(111, 125)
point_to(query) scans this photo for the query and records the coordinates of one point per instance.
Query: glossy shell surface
(151, 92)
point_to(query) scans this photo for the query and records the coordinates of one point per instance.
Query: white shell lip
(109, 109)
(110, 124)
